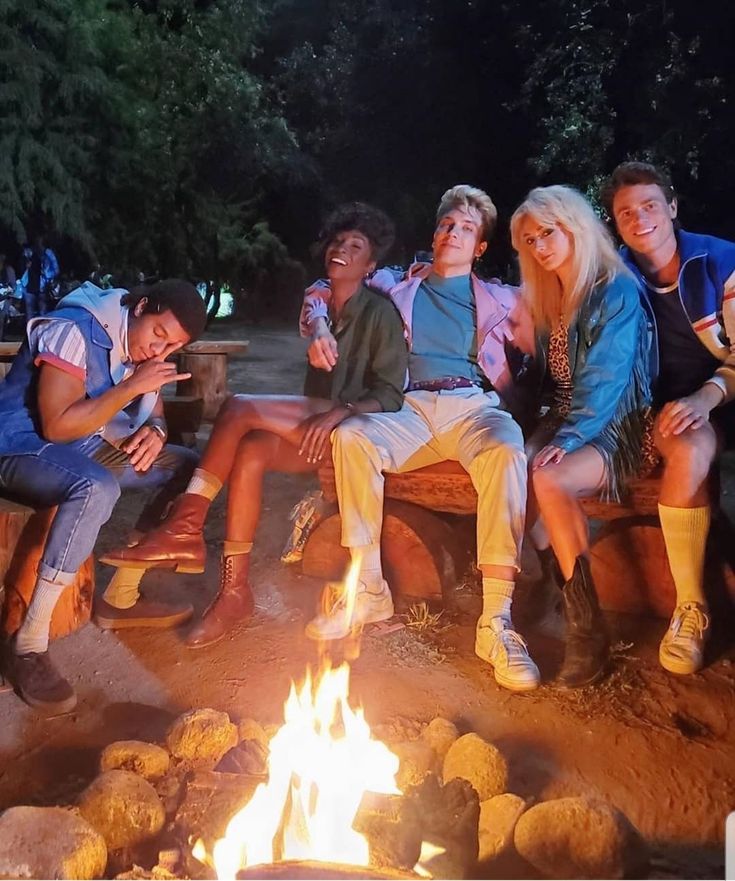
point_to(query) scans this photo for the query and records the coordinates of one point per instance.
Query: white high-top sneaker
(497, 643)
(682, 648)
(372, 603)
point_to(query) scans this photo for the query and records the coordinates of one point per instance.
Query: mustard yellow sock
(204, 483)
(123, 590)
(685, 534)
(233, 548)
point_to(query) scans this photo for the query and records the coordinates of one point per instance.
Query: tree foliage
(207, 137)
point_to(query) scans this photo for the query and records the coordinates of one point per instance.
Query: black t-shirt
(685, 364)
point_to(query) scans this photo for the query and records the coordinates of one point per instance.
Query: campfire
(322, 762)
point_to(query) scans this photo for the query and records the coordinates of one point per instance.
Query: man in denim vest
(80, 418)
(687, 283)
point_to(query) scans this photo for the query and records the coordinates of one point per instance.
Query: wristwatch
(159, 429)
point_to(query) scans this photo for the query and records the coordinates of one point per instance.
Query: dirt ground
(662, 748)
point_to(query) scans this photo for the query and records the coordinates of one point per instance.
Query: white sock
(371, 570)
(32, 635)
(204, 483)
(497, 596)
(123, 590)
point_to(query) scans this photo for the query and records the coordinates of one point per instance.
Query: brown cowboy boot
(176, 543)
(233, 603)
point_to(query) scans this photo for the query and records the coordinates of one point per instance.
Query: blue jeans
(84, 479)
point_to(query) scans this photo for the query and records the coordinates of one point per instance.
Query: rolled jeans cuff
(48, 573)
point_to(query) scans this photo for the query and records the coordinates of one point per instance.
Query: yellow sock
(685, 534)
(122, 592)
(232, 548)
(204, 483)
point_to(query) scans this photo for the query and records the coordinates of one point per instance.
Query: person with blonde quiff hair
(471, 346)
(593, 338)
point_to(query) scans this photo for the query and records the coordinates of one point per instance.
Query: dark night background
(207, 139)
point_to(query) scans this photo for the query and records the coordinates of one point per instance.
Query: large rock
(447, 817)
(49, 843)
(440, 734)
(146, 759)
(480, 763)
(417, 760)
(249, 757)
(201, 736)
(498, 818)
(249, 729)
(580, 838)
(123, 807)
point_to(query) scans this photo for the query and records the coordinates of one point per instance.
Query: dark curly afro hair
(373, 223)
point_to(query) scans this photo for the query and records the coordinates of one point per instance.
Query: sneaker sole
(182, 568)
(510, 684)
(314, 633)
(50, 708)
(679, 668)
(163, 623)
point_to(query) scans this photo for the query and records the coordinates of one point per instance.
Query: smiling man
(469, 341)
(688, 285)
(80, 418)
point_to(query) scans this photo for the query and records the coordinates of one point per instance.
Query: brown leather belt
(445, 384)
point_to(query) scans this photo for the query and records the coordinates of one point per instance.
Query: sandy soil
(662, 748)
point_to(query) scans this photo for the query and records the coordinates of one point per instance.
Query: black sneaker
(40, 684)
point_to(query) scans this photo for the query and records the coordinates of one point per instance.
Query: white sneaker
(370, 607)
(497, 643)
(682, 648)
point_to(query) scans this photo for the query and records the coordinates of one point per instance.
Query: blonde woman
(592, 334)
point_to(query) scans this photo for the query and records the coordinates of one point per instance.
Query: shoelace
(690, 623)
(514, 645)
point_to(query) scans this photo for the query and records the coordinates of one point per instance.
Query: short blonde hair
(595, 259)
(466, 196)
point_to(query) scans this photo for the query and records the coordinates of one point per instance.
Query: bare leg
(258, 453)
(557, 489)
(282, 415)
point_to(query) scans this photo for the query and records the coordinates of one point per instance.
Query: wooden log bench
(23, 532)
(420, 545)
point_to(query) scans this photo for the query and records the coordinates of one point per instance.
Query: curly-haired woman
(254, 434)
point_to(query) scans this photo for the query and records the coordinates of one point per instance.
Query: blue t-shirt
(444, 330)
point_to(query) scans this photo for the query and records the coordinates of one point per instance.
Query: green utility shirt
(373, 355)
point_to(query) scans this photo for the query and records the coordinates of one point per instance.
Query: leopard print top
(561, 373)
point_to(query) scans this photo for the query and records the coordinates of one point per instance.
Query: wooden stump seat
(23, 533)
(628, 555)
(206, 360)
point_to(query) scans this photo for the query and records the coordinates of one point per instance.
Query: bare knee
(553, 480)
(237, 410)
(256, 451)
(690, 453)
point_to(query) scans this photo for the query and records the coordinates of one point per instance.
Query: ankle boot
(176, 543)
(233, 603)
(587, 644)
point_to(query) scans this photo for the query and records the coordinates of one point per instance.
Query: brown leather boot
(233, 603)
(177, 543)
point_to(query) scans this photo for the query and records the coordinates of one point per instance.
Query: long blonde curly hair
(595, 259)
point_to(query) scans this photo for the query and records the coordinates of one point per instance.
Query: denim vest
(20, 429)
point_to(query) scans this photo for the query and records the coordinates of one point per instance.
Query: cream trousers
(463, 424)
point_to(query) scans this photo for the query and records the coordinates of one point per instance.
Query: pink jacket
(505, 337)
